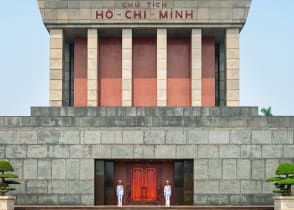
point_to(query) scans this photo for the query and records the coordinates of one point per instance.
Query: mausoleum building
(145, 91)
(144, 53)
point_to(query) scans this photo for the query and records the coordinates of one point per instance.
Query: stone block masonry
(233, 69)
(56, 67)
(146, 12)
(92, 70)
(196, 50)
(127, 90)
(161, 67)
(54, 156)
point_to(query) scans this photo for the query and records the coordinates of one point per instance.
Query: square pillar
(232, 70)
(196, 67)
(66, 80)
(161, 67)
(127, 67)
(92, 67)
(222, 74)
(56, 67)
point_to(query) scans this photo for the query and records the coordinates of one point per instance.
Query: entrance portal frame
(179, 172)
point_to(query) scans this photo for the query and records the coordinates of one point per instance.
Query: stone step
(144, 111)
(148, 121)
(144, 208)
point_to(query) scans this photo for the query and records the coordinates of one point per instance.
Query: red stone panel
(178, 72)
(110, 71)
(80, 72)
(179, 91)
(144, 92)
(208, 71)
(144, 72)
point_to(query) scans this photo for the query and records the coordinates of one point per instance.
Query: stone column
(127, 67)
(161, 67)
(92, 67)
(222, 75)
(196, 74)
(66, 79)
(232, 64)
(56, 67)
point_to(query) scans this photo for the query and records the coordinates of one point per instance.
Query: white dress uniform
(119, 194)
(167, 194)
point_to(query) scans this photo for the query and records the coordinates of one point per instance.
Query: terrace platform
(269, 207)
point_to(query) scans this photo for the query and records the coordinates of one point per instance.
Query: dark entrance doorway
(143, 181)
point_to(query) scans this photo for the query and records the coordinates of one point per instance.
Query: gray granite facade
(93, 13)
(233, 149)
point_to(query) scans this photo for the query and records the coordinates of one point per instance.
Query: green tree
(6, 179)
(284, 179)
(266, 111)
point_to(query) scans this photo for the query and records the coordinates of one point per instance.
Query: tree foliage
(6, 178)
(284, 179)
(266, 111)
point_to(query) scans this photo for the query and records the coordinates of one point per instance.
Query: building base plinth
(284, 202)
(7, 202)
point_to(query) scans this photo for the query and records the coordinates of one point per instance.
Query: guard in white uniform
(167, 193)
(119, 193)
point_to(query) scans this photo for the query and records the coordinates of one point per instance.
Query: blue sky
(267, 52)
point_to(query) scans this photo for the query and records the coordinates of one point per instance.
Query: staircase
(144, 208)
